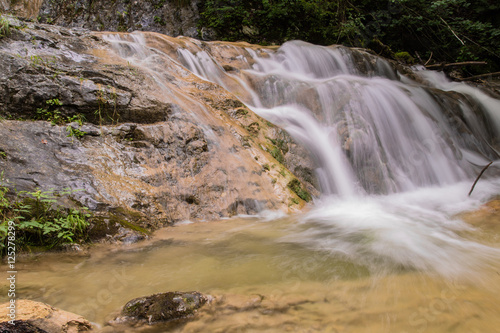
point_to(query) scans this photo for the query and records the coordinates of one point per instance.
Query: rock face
(162, 307)
(39, 317)
(147, 153)
(21, 8)
(173, 18)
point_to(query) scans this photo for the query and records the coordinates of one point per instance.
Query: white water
(395, 158)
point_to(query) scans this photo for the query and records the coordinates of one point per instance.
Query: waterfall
(370, 129)
(395, 154)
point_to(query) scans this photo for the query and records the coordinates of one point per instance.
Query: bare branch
(477, 179)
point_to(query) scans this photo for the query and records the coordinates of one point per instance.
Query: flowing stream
(384, 249)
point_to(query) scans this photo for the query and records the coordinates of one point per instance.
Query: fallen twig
(479, 76)
(477, 179)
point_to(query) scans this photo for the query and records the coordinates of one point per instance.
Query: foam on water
(416, 230)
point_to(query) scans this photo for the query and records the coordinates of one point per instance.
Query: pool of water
(360, 272)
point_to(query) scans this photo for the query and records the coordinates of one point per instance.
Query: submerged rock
(19, 326)
(162, 307)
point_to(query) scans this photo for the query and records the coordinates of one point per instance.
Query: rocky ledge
(75, 114)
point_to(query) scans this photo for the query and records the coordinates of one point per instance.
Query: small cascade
(369, 129)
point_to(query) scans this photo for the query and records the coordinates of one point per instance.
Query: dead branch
(454, 34)
(428, 59)
(477, 179)
(480, 76)
(456, 64)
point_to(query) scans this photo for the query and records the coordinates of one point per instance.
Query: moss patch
(109, 224)
(296, 186)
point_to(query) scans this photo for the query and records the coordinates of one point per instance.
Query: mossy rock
(163, 307)
(112, 222)
(404, 57)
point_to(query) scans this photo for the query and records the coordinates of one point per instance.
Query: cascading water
(367, 129)
(395, 157)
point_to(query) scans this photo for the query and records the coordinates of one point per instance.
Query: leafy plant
(75, 132)
(38, 220)
(51, 113)
(159, 20)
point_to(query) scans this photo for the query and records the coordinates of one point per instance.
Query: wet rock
(19, 326)
(142, 158)
(39, 317)
(162, 307)
(41, 63)
(128, 236)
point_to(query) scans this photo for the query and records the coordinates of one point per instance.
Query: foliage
(265, 21)
(38, 221)
(159, 20)
(53, 114)
(75, 132)
(449, 30)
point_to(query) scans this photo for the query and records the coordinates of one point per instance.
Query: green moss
(277, 154)
(296, 186)
(128, 219)
(277, 148)
(132, 226)
(109, 224)
(405, 57)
